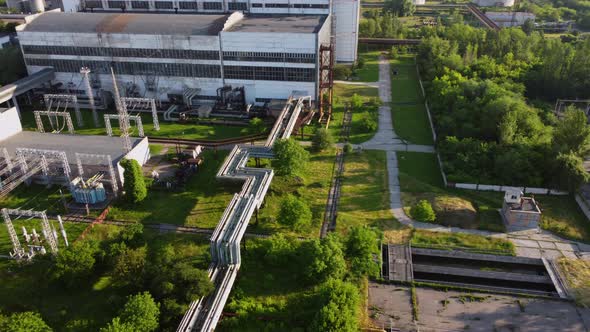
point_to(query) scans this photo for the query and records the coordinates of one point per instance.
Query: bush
(347, 148)
(342, 72)
(256, 126)
(290, 157)
(295, 213)
(140, 313)
(24, 322)
(368, 124)
(134, 186)
(322, 140)
(356, 102)
(423, 211)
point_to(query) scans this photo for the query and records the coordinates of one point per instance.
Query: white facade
(238, 56)
(346, 16)
(346, 13)
(504, 20)
(494, 3)
(9, 122)
(419, 2)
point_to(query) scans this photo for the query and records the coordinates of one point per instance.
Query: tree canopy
(27, 321)
(134, 186)
(290, 157)
(295, 213)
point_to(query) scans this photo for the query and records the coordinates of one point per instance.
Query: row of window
(169, 53)
(180, 70)
(269, 73)
(286, 5)
(122, 52)
(117, 4)
(269, 57)
(211, 5)
(131, 68)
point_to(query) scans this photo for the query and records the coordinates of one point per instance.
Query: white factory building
(165, 55)
(345, 12)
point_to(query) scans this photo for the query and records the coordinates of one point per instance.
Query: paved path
(370, 84)
(528, 243)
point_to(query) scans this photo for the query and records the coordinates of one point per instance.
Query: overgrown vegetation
(480, 84)
(367, 109)
(577, 273)
(286, 283)
(462, 241)
(85, 286)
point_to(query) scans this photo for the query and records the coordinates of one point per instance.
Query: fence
(474, 186)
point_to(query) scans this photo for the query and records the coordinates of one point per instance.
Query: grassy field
(36, 197)
(167, 129)
(577, 274)
(420, 179)
(312, 187)
(342, 95)
(95, 301)
(365, 195)
(370, 70)
(201, 203)
(410, 120)
(473, 243)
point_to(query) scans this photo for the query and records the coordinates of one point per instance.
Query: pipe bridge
(204, 314)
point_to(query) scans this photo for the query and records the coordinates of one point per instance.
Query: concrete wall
(505, 19)
(9, 122)
(346, 13)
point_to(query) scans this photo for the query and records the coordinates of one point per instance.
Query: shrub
(423, 211)
(347, 148)
(322, 140)
(135, 189)
(342, 72)
(368, 124)
(290, 157)
(356, 102)
(294, 212)
(256, 126)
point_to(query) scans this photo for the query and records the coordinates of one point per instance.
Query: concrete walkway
(533, 244)
(369, 84)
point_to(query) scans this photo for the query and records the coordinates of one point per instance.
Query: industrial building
(345, 14)
(167, 56)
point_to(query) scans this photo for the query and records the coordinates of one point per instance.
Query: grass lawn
(201, 203)
(409, 116)
(364, 198)
(36, 197)
(342, 95)
(167, 129)
(312, 187)
(420, 179)
(95, 301)
(370, 70)
(473, 243)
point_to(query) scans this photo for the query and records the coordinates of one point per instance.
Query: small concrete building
(520, 212)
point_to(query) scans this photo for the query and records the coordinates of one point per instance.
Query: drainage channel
(470, 270)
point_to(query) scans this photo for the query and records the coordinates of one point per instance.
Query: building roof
(71, 144)
(279, 23)
(131, 23)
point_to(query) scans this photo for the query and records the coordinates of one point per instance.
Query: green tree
(116, 325)
(194, 283)
(290, 157)
(362, 248)
(141, 312)
(356, 102)
(423, 211)
(368, 124)
(571, 173)
(572, 133)
(27, 321)
(256, 126)
(528, 26)
(294, 213)
(134, 186)
(130, 266)
(399, 7)
(12, 66)
(322, 140)
(338, 312)
(325, 259)
(342, 71)
(75, 263)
